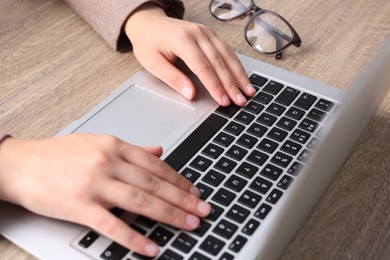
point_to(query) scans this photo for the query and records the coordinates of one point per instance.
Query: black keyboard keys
(305, 101)
(212, 245)
(184, 242)
(287, 96)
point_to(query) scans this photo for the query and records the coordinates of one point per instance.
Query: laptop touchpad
(138, 116)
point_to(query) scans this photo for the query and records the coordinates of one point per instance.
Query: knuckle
(141, 198)
(107, 226)
(189, 202)
(154, 183)
(219, 63)
(175, 81)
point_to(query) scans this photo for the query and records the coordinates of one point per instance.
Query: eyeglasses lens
(268, 33)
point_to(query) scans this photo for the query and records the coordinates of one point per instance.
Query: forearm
(107, 18)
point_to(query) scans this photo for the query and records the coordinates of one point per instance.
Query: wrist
(140, 16)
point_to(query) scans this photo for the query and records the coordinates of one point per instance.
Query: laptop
(262, 167)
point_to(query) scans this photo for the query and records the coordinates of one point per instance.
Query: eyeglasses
(266, 31)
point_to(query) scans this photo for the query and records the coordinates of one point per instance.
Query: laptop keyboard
(242, 160)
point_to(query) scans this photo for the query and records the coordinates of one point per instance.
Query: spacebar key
(188, 148)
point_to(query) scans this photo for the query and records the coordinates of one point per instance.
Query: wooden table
(54, 68)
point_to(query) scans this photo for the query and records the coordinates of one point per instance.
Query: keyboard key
(324, 105)
(257, 130)
(237, 153)
(273, 87)
(271, 172)
(267, 145)
(295, 113)
(291, 147)
(184, 243)
(161, 236)
(114, 251)
(244, 118)
(225, 229)
(170, 255)
(191, 145)
(277, 134)
(308, 125)
(274, 196)
(234, 128)
(281, 159)
(249, 198)
(235, 183)
(226, 256)
(257, 157)
(260, 185)
(205, 190)
(226, 165)
(213, 178)
(287, 96)
(212, 150)
(266, 119)
(305, 101)
(316, 115)
(146, 222)
(88, 239)
(238, 213)
(263, 98)
(304, 155)
(224, 139)
(285, 182)
(190, 174)
(257, 80)
(295, 168)
(275, 109)
(247, 141)
(201, 229)
(263, 211)
(228, 111)
(286, 123)
(313, 143)
(198, 256)
(215, 212)
(212, 245)
(238, 243)
(200, 163)
(250, 227)
(142, 257)
(300, 136)
(254, 107)
(224, 197)
(247, 170)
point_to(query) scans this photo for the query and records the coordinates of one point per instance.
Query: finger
(138, 201)
(155, 150)
(194, 57)
(223, 72)
(233, 63)
(144, 160)
(172, 76)
(104, 222)
(152, 184)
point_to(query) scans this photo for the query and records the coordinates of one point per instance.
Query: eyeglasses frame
(254, 11)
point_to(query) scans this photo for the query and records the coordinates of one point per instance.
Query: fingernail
(225, 100)
(151, 249)
(192, 221)
(195, 191)
(240, 97)
(204, 208)
(186, 91)
(250, 88)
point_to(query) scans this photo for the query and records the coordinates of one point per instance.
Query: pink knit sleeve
(107, 17)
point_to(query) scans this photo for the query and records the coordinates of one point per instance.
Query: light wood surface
(54, 68)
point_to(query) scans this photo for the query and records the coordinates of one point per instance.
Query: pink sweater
(107, 17)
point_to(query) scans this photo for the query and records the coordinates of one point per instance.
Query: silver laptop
(262, 167)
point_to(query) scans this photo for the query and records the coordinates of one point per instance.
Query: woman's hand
(159, 40)
(80, 177)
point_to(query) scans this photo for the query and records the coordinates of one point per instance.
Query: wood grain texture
(54, 68)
